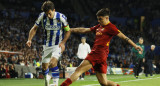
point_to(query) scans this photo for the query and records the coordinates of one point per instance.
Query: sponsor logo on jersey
(52, 27)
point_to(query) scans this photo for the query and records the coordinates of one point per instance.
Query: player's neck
(107, 22)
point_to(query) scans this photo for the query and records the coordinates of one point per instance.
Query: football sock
(67, 82)
(55, 75)
(45, 72)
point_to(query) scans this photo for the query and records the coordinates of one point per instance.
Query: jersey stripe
(51, 33)
(57, 37)
(44, 24)
(58, 24)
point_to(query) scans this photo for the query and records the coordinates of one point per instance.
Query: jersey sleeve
(63, 18)
(114, 30)
(38, 21)
(93, 29)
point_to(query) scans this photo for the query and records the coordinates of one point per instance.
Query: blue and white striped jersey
(54, 32)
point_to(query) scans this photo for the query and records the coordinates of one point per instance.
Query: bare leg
(84, 66)
(102, 78)
(45, 66)
(53, 62)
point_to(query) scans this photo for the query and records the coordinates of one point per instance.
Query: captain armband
(67, 28)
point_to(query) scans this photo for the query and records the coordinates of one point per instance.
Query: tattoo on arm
(126, 39)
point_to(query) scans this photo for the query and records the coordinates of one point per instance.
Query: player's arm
(122, 36)
(32, 33)
(67, 34)
(80, 30)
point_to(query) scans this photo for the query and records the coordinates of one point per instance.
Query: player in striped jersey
(54, 24)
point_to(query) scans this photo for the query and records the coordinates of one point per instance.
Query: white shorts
(50, 52)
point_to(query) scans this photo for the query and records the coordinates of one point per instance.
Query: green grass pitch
(123, 80)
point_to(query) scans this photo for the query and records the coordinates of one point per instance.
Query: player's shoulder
(87, 44)
(80, 44)
(112, 25)
(41, 14)
(61, 15)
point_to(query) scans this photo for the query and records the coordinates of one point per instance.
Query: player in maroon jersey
(104, 31)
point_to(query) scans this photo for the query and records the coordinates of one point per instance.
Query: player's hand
(29, 43)
(140, 52)
(138, 48)
(62, 46)
(143, 60)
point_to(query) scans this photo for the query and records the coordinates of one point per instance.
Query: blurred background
(135, 18)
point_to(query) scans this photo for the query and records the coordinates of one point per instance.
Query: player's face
(102, 20)
(140, 41)
(83, 40)
(50, 14)
(152, 47)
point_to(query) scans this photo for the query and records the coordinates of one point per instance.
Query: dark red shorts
(98, 62)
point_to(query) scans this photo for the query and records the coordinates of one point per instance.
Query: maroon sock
(118, 85)
(67, 82)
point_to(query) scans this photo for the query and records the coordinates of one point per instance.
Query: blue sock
(55, 72)
(45, 72)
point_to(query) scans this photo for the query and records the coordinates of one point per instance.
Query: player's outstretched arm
(32, 32)
(80, 30)
(122, 36)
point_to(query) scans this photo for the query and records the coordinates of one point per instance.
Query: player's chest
(53, 24)
(101, 31)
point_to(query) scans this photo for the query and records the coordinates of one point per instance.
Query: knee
(52, 65)
(44, 67)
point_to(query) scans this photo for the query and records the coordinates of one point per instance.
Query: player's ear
(107, 17)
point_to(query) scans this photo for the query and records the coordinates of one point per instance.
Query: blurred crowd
(19, 16)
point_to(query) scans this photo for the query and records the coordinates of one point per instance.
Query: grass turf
(123, 80)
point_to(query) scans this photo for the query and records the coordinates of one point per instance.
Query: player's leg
(45, 64)
(139, 67)
(150, 67)
(102, 78)
(45, 71)
(54, 70)
(79, 62)
(84, 66)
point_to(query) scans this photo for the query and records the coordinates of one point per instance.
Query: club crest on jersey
(98, 33)
(58, 22)
(102, 29)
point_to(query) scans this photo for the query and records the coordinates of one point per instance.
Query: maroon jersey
(103, 36)
(98, 56)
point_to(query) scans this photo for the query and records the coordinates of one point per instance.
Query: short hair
(47, 5)
(153, 46)
(141, 38)
(103, 12)
(83, 38)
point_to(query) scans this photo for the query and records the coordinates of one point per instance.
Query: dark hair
(103, 12)
(140, 38)
(47, 5)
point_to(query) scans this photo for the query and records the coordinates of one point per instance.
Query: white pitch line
(124, 81)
